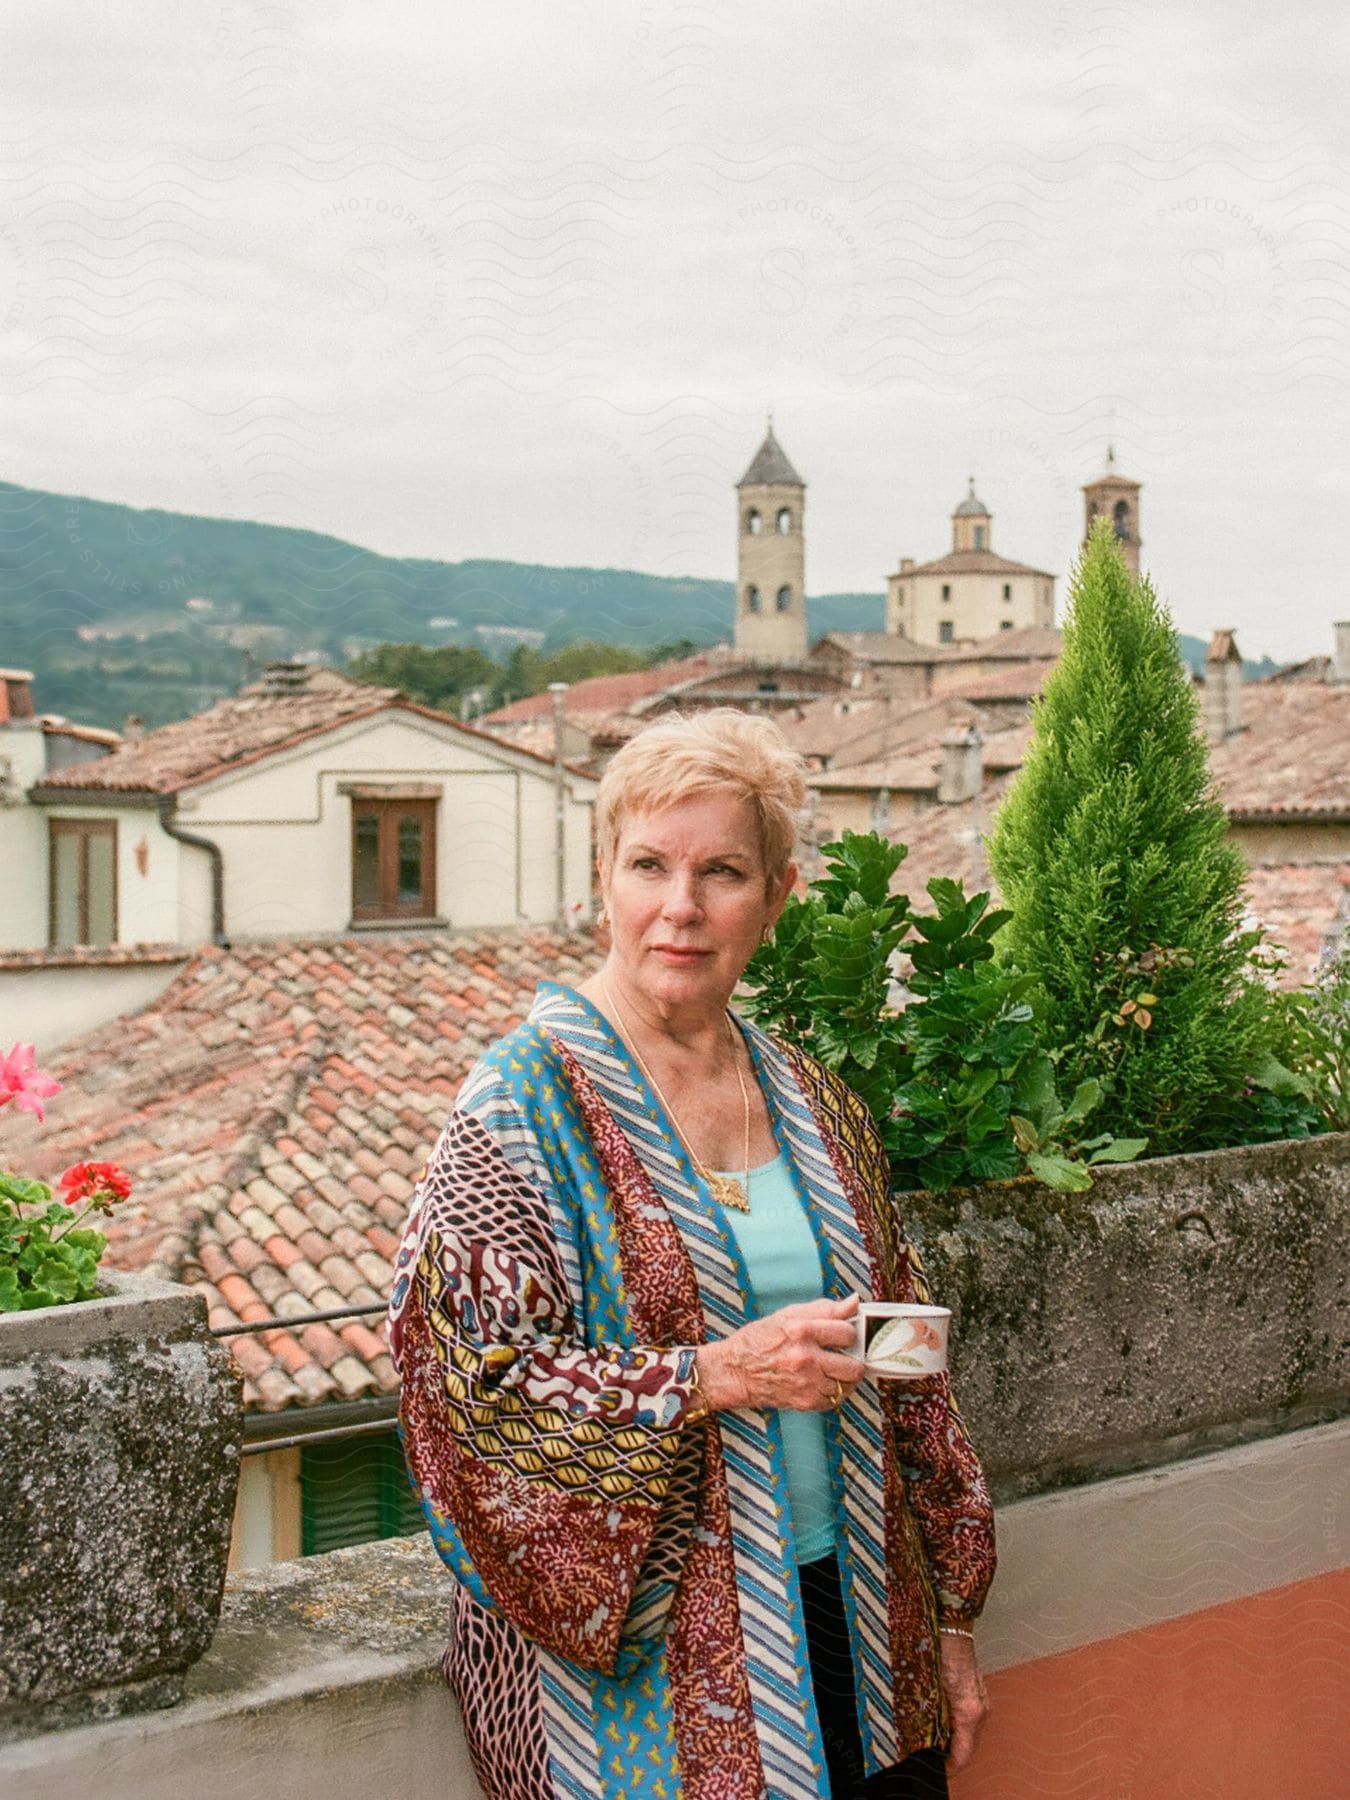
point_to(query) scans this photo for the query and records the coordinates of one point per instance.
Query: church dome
(972, 507)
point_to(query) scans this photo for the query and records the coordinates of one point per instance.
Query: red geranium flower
(98, 1183)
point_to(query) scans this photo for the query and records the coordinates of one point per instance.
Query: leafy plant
(824, 979)
(946, 1077)
(1317, 1020)
(969, 1031)
(1127, 897)
(1050, 1135)
(48, 1255)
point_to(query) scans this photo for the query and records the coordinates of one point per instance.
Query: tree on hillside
(1127, 898)
(434, 677)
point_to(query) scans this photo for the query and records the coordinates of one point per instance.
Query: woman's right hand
(799, 1359)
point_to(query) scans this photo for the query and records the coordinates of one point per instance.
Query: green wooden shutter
(354, 1493)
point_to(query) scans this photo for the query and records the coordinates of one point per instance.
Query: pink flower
(23, 1082)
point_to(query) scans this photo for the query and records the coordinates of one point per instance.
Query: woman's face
(687, 900)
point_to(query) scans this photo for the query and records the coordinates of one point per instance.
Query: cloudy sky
(519, 280)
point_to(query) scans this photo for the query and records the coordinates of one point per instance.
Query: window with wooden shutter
(393, 858)
(81, 881)
(355, 1492)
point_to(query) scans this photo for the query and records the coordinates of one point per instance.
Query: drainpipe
(558, 689)
(166, 804)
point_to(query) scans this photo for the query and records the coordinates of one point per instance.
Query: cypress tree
(1127, 898)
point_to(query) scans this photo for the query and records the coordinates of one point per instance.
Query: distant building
(969, 593)
(1114, 496)
(771, 557)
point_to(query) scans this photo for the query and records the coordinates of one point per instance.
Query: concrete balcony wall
(1182, 1304)
(1158, 1378)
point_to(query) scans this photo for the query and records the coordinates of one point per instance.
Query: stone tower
(1117, 497)
(771, 557)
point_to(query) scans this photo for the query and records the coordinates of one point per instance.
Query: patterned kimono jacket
(627, 1616)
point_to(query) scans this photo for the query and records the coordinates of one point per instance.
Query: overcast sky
(519, 279)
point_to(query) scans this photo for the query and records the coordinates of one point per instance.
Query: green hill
(122, 611)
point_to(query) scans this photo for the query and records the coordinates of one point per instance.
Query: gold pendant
(727, 1191)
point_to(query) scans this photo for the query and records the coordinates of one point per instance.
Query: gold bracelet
(956, 1631)
(698, 1408)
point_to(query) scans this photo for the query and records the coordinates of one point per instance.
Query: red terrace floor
(1248, 1701)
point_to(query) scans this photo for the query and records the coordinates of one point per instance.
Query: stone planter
(1182, 1305)
(121, 1420)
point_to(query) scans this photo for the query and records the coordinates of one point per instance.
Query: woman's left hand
(966, 1699)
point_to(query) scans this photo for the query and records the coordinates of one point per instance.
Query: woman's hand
(799, 1358)
(966, 1699)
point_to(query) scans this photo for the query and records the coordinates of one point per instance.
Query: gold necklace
(725, 1189)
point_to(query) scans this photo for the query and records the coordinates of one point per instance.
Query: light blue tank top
(776, 1240)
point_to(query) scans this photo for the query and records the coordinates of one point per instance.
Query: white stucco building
(304, 806)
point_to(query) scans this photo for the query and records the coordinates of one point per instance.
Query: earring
(765, 934)
(602, 917)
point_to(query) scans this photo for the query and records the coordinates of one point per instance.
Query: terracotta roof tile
(236, 1191)
(604, 694)
(258, 721)
(973, 562)
(93, 956)
(1292, 754)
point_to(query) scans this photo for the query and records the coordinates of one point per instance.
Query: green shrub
(1127, 899)
(957, 1082)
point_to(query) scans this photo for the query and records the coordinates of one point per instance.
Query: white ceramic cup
(900, 1341)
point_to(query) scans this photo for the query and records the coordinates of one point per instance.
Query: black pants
(920, 1777)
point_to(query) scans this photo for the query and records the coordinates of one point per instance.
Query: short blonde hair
(721, 751)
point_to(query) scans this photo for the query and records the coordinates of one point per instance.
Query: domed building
(971, 592)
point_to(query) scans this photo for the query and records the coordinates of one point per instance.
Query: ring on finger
(838, 1400)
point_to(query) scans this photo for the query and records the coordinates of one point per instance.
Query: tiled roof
(1305, 907)
(1019, 681)
(54, 725)
(261, 719)
(275, 1105)
(916, 768)
(606, 693)
(874, 726)
(232, 730)
(883, 647)
(93, 956)
(918, 774)
(1314, 668)
(974, 562)
(1292, 755)
(1029, 643)
(770, 466)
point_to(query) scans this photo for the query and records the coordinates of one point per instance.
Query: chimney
(16, 695)
(1340, 662)
(285, 677)
(1223, 688)
(906, 564)
(962, 767)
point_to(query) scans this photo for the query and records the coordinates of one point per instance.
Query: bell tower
(1115, 497)
(771, 557)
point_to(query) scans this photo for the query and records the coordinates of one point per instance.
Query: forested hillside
(122, 611)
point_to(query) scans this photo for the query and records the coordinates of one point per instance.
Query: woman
(696, 1556)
